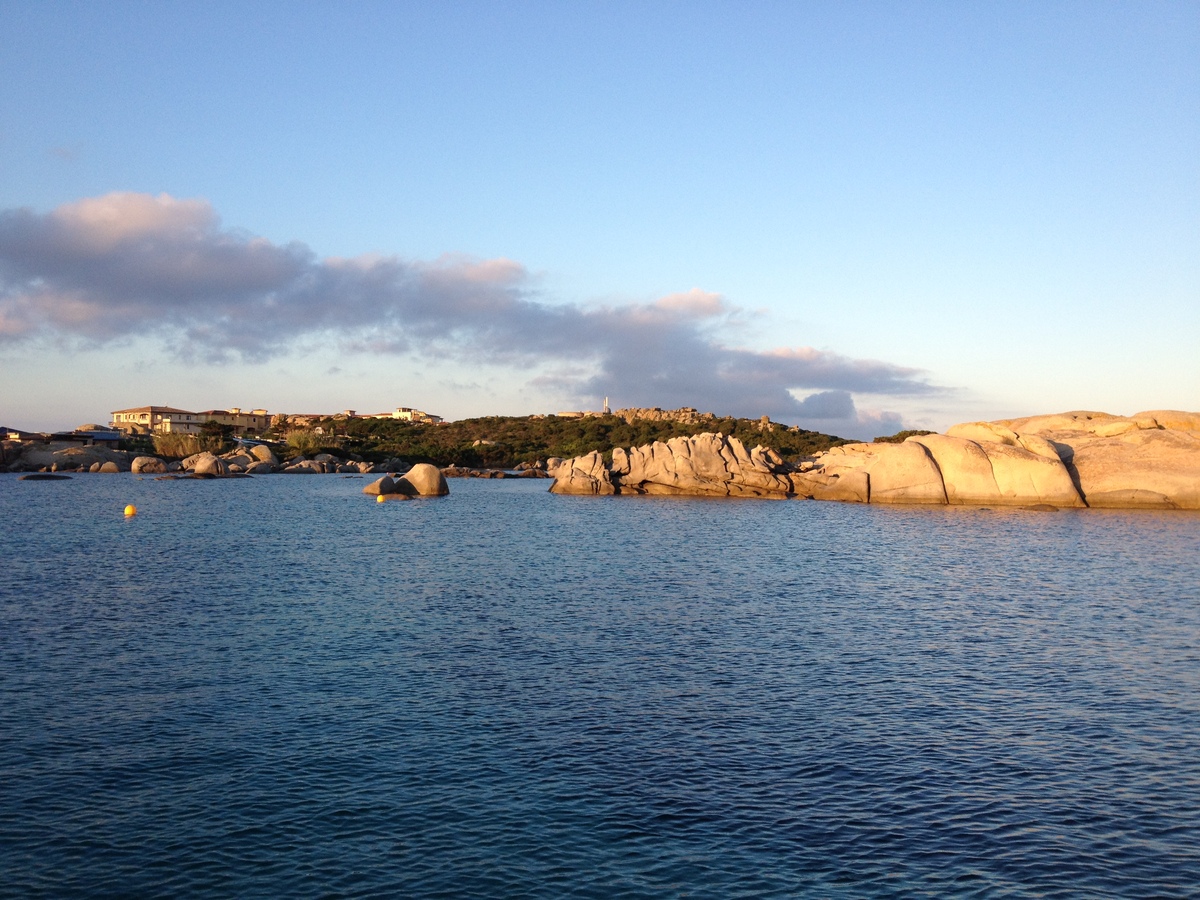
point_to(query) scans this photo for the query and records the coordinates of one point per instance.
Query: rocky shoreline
(1069, 460)
(1081, 459)
(66, 457)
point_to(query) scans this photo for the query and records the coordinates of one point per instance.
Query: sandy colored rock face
(991, 432)
(424, 480)
(1171, 420)
(1083, 458)
(905, 474)
(379, 486)
(189, 462)
(702, 465)
(999, 473)
(207, 464)
(305, 467)
(582, 475)
(149, 465)
(65, 455)
(1142, 469)
(894, 473)
(263, 453)
(1023, 477)
(1150, 460)
(850, 487)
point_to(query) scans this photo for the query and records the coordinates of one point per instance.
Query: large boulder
(851, 486)
(583, 475)
(189, 462)
(423, 480)
(381, 486)
(68, 455)
(148, 465)
(305, 467)
(1172, 420)
(239, 460)
(895, 473)
(999, 472)
(1148, 460)
(706, 464)
(263, 453)
(703, 465)
(1143, 469)
(207, 464)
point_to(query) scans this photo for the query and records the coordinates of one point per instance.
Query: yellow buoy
(380, 498)
(131, 510)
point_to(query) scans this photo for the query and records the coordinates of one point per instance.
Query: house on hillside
(89, 437)
(256, 421)
(155, 420)
(306, 420)
(408, 414)
(169, 420)
(16, 434)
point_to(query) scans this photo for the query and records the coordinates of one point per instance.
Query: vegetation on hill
(506, 441)
(900, 436)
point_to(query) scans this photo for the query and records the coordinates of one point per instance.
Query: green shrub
(899, 436)
(176, 446)
(303, 443)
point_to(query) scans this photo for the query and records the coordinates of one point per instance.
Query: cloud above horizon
(128, 264)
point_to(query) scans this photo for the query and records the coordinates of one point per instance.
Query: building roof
(21, 434)
(153, 409)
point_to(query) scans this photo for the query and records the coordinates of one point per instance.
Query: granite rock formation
(423, 480)
(703, 465)
(148, 465)
(1150, 460)
(62, 456)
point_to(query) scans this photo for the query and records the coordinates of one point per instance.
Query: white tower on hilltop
(607, 411)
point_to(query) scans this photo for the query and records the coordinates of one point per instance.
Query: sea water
(278, 687)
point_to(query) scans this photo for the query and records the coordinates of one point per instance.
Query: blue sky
(849, 216)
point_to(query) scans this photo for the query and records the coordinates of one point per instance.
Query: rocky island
(1150, 460)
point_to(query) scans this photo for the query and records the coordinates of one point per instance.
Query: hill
(506, 441)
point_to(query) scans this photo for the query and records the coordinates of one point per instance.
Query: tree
(215, 437)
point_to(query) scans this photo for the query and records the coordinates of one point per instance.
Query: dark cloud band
(132, 264)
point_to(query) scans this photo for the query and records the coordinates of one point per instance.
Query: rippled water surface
(276, 687)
